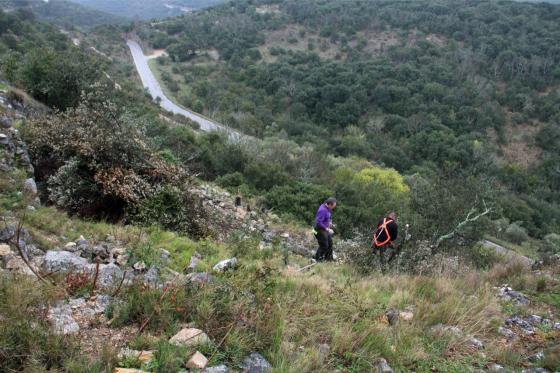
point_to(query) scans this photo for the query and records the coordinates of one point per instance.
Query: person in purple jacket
(323, 230)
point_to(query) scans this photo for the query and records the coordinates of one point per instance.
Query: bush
(516, 234)
(95, 160)
(172, 209)
(298, 199)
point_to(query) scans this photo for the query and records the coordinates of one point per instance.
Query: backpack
(382, 229)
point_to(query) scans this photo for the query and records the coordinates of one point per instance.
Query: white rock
(70, 246)
(5, 250)
(189, 337)
(63, 261)
(62, 320)
(225, 264)
(406, 315)
(197, 361)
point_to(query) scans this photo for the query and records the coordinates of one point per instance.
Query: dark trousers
(325, 250)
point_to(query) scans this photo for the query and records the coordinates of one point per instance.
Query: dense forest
(435, 90)
(146, 9)
(64, 13)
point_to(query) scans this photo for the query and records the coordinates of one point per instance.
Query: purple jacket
(323, 218)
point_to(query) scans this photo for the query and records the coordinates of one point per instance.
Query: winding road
(150, 82)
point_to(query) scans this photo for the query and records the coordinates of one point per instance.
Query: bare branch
(468, 219)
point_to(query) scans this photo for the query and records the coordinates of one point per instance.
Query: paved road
(150, 82)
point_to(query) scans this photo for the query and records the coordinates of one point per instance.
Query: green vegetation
(146, 9)
(446, 91)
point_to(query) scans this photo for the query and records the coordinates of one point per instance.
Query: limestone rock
(225, 265)
(109, 274)
(256, 363)
(189, 337)
(70, 246)
(381, 366)
(144, 356)
(197, 361)
(62, 321)
(195, 259)
(30, 188)
(201, 278)
(5, 250)
(5, 122)
(63, 261)
(217, 369)
(507, 293)
(406, 315)
(139, 266)
(495, 368)
(128, 370)
(508, 333)
(476, 343)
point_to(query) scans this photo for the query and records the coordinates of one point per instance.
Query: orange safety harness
(382, 228)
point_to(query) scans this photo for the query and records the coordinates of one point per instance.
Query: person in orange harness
(386, 233)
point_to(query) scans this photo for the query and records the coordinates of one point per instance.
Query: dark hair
(330, 201)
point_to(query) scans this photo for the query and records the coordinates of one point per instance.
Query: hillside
(64, 13)
(131, 241)
(422, 88)
(147, 9)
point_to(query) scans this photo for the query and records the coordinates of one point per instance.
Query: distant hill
(63, 13)
(147, 9)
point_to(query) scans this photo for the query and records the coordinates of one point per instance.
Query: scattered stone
(507, 293)
(522, 324)
(109, 274)
(195, 259)
(285, 235)
(120, 256)
(476, 343)
(217, 369)
(62, 320)
(225, 265)
(63, 261)
(201, 278)
(197, 361)
(189, 337)
(100, 252)
(381, 366)
(4, 140)
(5, 250)
(18, 265)
(454, 330)
(556, 326)
(508, 333)
(70, 246)
(406, 315)
(255, 363)
(139, 266)
(144, 356)
(152, 276)
(535, 370)
(534, 319)
(30, 188)
(128, 370)
(495, 368)
(101, 303)
(536, 357)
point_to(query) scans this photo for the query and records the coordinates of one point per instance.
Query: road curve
(150, 82)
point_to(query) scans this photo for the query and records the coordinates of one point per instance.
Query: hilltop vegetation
(147, 9)
(425, 88)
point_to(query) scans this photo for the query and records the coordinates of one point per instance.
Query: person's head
(330, 203)
(392, 215)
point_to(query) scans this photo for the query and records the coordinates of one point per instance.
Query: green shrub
(516, 234)
(172, 209)
(299, 200)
